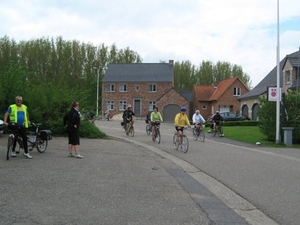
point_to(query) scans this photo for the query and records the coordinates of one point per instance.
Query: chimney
(171, 62)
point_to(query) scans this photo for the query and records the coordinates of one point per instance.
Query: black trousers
(23, 133)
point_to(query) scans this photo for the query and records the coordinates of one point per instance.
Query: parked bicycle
(38, 138)
(199, 133)
(156, 136)
(130, 129)
(218, 130)
(184, 145)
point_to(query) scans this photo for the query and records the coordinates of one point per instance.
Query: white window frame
(122, 105)
(123, 88)
(110, 88)
(151, 105)
(287, 76)
(110, 105)
(152, 87)
(236, 91)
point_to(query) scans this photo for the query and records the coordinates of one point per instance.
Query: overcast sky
(242, 32)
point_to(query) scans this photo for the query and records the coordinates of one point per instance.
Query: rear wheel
(185, 144)
(175, 141)
(41, 145)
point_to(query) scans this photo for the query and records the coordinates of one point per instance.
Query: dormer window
(287, 77)
(236, 91)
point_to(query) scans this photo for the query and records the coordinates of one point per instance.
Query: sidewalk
(116, 183)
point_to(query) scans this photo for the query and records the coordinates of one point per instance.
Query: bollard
(288, 135)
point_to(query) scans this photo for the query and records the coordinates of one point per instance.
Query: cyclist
(181, 120)
(155, 116)
(217, 118)
(129, 114)
(198, 120)
(18, 114)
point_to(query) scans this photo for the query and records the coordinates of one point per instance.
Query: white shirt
(198, 118)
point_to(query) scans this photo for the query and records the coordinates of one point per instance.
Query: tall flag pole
(278, 82)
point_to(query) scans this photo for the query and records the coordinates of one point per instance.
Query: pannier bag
(122, 123)
(46, 135)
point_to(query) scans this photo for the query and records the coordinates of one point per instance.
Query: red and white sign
(272, 94)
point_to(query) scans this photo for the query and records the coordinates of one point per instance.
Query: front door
(137, 107)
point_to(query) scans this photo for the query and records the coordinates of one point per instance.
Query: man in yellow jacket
(18, 114)
(181, 120)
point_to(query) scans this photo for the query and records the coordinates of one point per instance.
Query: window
(123, 87)
(122, 105)
(110, 87)
(152, 87)
(236, 91)
(110, 105)
(151, 105)
(204, 107)
(287, 77)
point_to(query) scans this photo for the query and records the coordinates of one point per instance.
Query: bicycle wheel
(195, 134)
(157, 135)
(201, 135)
(41, 145)
(214, 132)
(175, 141)
(185, 144)
(9, 147)
(148, 129)
(131, 131)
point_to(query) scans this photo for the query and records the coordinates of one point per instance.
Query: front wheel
(175, 141)
(201, 135)
(195, 134)
(9, 147)
(131, 131)
(157, 136)
(185, 144)
(41, 145)
(148, 129)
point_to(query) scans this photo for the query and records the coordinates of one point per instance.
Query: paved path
(117, 182)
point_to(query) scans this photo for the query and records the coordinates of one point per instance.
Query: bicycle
(218, 129)
(38, 138)
(130, 129)
(156, 136)
(184, 145)
(199, 133)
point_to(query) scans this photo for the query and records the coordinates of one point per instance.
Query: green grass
(250, 134)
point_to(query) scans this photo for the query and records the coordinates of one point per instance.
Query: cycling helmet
(183, 109)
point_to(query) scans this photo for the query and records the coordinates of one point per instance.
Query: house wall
(250, 103)
(287, 83)
(172, 97)
(204, 107)
(229, 100)
(132, 93)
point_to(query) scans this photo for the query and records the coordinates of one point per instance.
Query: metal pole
(97, 107)
(278, 82)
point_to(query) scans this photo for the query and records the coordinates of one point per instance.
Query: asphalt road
(117, 182)
(266, 178)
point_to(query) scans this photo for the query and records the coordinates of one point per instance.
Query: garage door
(170, 112)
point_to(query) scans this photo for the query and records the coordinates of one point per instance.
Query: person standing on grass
(72, 123)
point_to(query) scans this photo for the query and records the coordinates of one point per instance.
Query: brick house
(288, 72)
(221, 97)
(143, 86)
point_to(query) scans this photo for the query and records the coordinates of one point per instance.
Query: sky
(241, 32)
